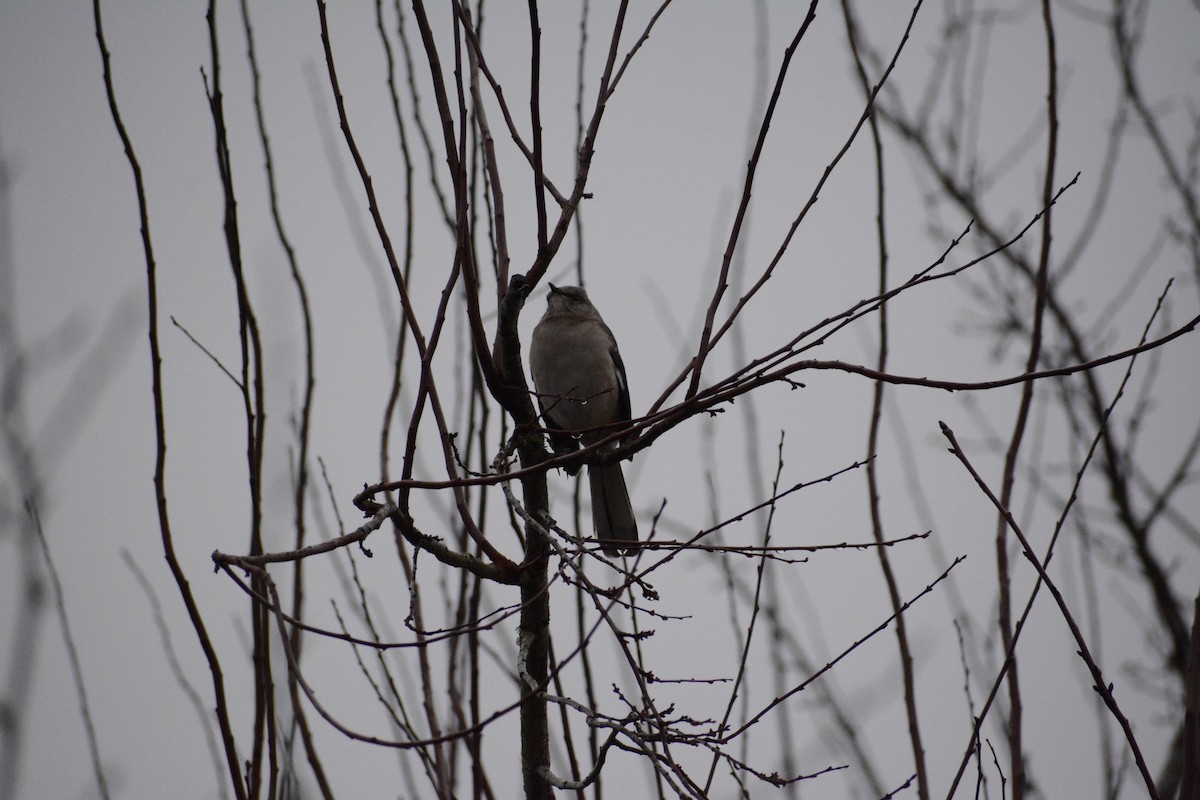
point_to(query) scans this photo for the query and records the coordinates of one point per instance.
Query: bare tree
(514, 620)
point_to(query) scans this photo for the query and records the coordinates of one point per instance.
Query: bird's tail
(612, 513)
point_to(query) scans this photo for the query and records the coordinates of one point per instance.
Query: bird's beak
(553, 289)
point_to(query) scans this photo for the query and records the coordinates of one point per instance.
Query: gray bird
(581, 388)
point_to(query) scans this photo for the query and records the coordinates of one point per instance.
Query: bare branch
(1102, 688)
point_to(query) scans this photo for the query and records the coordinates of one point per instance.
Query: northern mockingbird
(581, 388)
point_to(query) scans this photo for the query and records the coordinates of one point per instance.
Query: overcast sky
(665, 181)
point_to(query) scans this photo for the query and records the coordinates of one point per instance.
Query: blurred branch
(907, 670)
(1189, 784)
(185, 685)
(24, 470)
(1067, 505)
(1015, 723)
(85, 709)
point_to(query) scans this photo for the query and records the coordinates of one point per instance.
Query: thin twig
(1102, 688)
(907, 670)
(176, 667)
(834, 661)
(232, 759)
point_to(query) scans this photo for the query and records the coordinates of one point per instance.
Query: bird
(582, 390)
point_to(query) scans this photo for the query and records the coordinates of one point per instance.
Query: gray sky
(666, 177)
